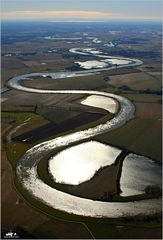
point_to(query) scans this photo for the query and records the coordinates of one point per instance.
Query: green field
(141, 136)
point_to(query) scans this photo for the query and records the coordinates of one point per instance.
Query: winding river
(26, 170)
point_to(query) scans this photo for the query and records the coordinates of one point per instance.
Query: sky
(82, 10)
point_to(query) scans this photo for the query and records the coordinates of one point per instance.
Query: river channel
(26, 171)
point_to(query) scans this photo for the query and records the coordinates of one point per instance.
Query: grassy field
(31, 120)
(16, 213)
(110, 231)
(137, 81)
(15, 150)
(13, 66)
(83, 82)
(149, 98)
(142, 136)
(54, 227)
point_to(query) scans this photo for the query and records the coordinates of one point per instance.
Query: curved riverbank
(27, 167)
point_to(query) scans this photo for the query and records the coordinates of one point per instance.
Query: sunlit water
(26, 170)
(79, 163)
(117, 61)
(120, 62)
(92, 64)
(138, 172)
(107, 103)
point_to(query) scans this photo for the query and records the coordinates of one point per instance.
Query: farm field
(29, 118)
(136, 81)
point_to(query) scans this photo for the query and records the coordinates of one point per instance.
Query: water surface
(79, 163)
(26, 171)
(109, 104)
(138, 172)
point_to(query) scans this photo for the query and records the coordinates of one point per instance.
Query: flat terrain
(52, 129)
(31, 223)
(25, 50)
(84, 82)
(18, 215)
(100, 187)
(136, 81)
(141, 135)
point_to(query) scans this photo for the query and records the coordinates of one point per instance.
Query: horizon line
(66, 20)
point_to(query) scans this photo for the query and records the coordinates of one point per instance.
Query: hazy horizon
(81, 10)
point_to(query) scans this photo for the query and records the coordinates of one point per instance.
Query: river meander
(26, 171)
